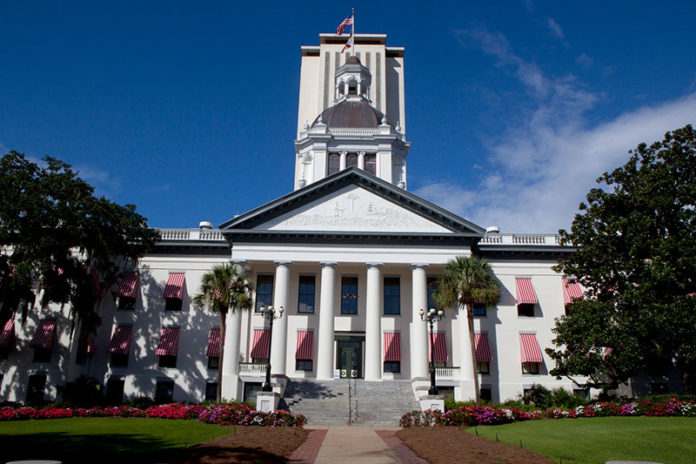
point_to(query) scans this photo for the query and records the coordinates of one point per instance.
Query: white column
(280, 325)
(342, 161)
(419, 328)
(361, 160)
(467, 364)
(325, 342)
(230, 359)
(373, 319)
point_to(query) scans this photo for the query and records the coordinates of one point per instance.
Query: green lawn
(104, 440)
(669, 440)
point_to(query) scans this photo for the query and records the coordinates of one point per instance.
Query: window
(392, 297)
(264, 291)
(486, 394)
(42, 355)
(172, 304)
(334, 163)
(371, 164)
(303, 365)
(35, 389)
(250, 391)
(483, 367)
(525, 310)
(167, 361)
(349, 295)
(213, 362)
(126, 303)
(114, 391)
(119, 360)
(392, 366)
(480, 310)
(352, 160)
(306, 295)
(164, 391)
(211, 391)
(530, 368)
(433, 285)
(583, 393)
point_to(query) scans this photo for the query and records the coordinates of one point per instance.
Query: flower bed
(222, 414)
(491, 415)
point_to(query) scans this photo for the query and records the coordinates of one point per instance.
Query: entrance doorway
(349, 358)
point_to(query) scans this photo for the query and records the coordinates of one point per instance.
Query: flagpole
(352, 29)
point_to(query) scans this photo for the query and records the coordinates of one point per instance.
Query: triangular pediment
(352, 202)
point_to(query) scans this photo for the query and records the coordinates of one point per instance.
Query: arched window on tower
(371, 163)
(352, 88)
(352, 160)
(334, 163)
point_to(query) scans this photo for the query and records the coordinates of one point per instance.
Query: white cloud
(584, 60)
(541, 169)
(555, 27)
(103, 182)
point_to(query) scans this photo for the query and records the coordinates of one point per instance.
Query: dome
(353, 114)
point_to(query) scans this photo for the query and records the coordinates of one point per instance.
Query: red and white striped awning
(305, 345)
(392, 346)
(129, 285)
(7, 335)
(530, 348)
(175, 285)
(121, 340)
(440, 341)
(43, 337)
(525, 291)
(483, 349)
(571, 290)
(262, 342)
(213, 350)
(169, 342)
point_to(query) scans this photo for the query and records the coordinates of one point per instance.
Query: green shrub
(83, 392)
(538, 396)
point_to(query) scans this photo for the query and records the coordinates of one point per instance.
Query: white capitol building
(350, 255)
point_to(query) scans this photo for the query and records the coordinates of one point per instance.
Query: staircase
(350, 402)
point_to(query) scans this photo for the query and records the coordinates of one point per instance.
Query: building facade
(350, 255)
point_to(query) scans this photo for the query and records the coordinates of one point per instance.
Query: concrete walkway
(348, 444)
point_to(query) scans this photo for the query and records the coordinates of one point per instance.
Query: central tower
(351, 110)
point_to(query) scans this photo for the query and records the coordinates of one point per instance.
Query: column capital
(328, 263)
(419, 265)
(369, 265)
(282, 263)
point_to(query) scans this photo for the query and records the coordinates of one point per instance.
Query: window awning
(175, 285)
(440, 354)
(7, 335)
(43, 337)
(571, 291)
(483, 349)
(121, 340)
(213, 350)
(525, 291)
(305, 345)
(530, 348)
(129, 285)
(169, 342)
(392, 346)
(262, 341)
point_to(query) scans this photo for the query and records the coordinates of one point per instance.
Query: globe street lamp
(270, 313)
(430, 317)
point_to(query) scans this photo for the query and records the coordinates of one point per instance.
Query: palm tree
(222, 289)
(468, 281)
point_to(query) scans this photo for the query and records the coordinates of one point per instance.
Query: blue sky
(189, 110)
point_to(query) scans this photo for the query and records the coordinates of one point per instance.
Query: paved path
(344, 444)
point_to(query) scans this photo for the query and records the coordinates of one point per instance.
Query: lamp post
(430, 317)
(270, 313)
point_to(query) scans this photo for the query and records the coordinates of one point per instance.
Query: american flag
(346, 22)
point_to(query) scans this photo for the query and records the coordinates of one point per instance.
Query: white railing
(338, 131)
(520, 239)
(447, 373)
(252, 369)
(191, 234)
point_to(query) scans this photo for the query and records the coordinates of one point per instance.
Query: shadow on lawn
(70, 448)
(210, 453)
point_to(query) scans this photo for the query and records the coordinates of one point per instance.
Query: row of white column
(342, 160)
(325, 336)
